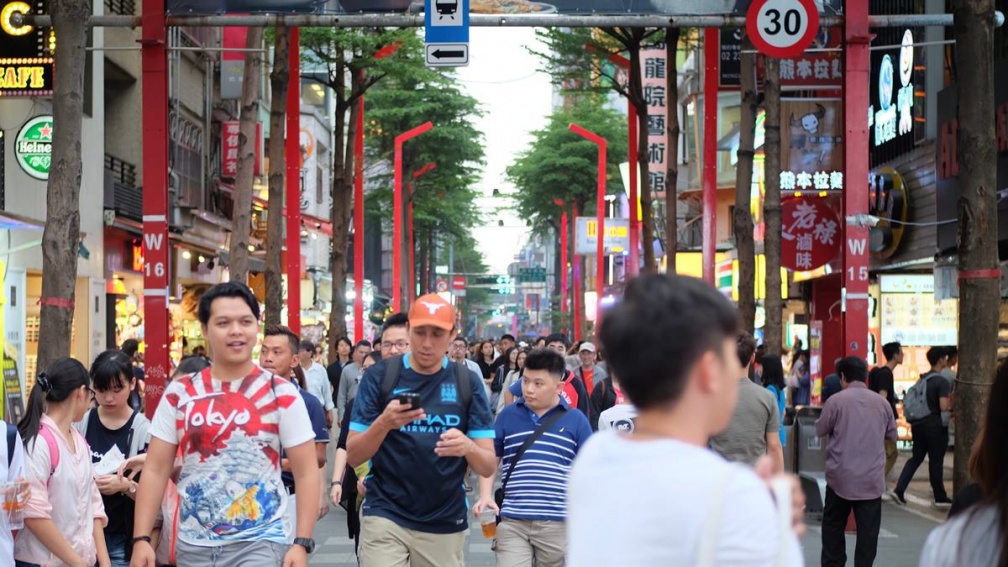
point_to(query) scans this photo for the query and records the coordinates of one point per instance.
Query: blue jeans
(116, 544)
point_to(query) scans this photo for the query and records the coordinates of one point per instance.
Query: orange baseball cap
(432, 310)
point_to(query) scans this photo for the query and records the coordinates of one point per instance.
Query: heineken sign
(33, 147)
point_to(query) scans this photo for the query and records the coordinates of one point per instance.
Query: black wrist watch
(307, 543)
(142, 538)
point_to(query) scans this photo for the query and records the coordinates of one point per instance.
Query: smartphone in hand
(410, 399)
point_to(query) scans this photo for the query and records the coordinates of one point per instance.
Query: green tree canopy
(562, 165)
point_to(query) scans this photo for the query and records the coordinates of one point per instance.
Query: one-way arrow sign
(447, 54)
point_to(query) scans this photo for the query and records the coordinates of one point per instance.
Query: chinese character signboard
(894, 106)
(731, 58)
(26, 58)
(812, 142)
(812, 69)
(810, 234)
(653, 71)
(230, 142)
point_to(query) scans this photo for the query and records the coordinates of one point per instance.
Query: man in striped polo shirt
(534, 510)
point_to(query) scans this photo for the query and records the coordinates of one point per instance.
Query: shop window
(186, 158)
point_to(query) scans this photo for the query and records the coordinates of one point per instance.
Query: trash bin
(788, 426)
(810, 460)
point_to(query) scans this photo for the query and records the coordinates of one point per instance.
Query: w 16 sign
(810, 235)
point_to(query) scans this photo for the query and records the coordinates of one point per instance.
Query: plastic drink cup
(14, 501)
(488, 521)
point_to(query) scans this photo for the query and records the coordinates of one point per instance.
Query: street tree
(773, 330)
(581, 59)
(672, 144)
(61, 237)
(241, 219)
(978, 225)
(443, 198)
(351, 61)
(745, 246)
(279, 78)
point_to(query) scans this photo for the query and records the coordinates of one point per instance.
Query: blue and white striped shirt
(537, 489)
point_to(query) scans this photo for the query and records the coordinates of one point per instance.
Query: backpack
(915, 405)
(394, 367)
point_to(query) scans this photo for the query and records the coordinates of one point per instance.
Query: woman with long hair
(514, 375)
(344, 350)
(485, 358)
(977, 536)
(64, 497)
(115, 431)
(773, 380)
(497, 386)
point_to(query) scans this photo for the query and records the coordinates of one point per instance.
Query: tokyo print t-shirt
(230, 435)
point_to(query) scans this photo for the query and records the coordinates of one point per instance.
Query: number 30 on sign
(782, 28)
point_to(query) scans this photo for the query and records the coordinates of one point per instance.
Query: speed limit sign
(782, 28)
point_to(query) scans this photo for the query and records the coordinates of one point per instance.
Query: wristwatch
(307, 543)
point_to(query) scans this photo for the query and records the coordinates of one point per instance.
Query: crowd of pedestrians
(602, 453)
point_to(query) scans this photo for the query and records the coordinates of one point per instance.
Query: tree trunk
(61, 237)
(978, 225)
(635, 89)
(342, 202)
(241, 221)
(773, 329)
(672, 148)
(279, 79)
(745, 247)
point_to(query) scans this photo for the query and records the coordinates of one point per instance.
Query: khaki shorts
(383, 543)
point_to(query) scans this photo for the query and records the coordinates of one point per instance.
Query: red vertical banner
(230, 142)
(854, 294)
(653, 77)
(154, 66)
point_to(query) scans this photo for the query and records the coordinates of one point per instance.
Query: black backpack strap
(393, 367)
(465, 390)
(11, 441)
(560, 411)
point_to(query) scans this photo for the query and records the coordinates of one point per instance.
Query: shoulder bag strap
(392, 369)
(707, 555)
(464, 389)
(530, 440)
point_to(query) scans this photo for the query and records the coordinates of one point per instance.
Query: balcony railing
(120, 7)
(122, 171)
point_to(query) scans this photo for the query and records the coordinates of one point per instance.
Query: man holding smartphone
(421, 427)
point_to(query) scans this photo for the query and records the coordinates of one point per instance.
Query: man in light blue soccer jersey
(422, 421)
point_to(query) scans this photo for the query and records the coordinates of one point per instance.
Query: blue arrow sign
(446, 21)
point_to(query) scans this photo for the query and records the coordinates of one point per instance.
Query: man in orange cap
(422, 421)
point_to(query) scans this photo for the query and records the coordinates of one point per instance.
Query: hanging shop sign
(895, 106)
(818, 67)
(26, 62)
(810, 235)
(813, 146)
(889, 201)
(33, 147)
(616, 241)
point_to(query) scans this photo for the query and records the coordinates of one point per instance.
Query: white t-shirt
(662, 514)
(621, 417)
(317, 380)
(231, 434)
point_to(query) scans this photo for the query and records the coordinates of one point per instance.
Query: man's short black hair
(507, 337)
(307, 346)
(282, 331)
(548, 360)
(395, 320)
(375, 355)
(852, 369)
(891, 350)
(746, 348)
(935, 354)
(557, 338)
(130, 347)
(952, 351)
(227, 289)
(362, 343)
(461, 339)
(685, 315)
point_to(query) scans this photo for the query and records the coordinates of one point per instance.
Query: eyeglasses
(401, 345)
(92, 392)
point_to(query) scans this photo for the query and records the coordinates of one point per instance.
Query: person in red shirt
(590, 372)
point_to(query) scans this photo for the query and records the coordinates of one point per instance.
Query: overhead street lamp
(397, 212)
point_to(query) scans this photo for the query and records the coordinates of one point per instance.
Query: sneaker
(897, 498)
(945, 504)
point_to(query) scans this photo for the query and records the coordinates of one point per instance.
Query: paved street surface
(904, 530)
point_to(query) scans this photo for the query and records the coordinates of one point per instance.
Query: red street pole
(576, 273)
(359, 224)
(711, 61)
(154, 61)
(635, 221)
(854, 294)
(292, 156)
(563, 255)
(397, 213)
(599, 217)
(409, 224)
